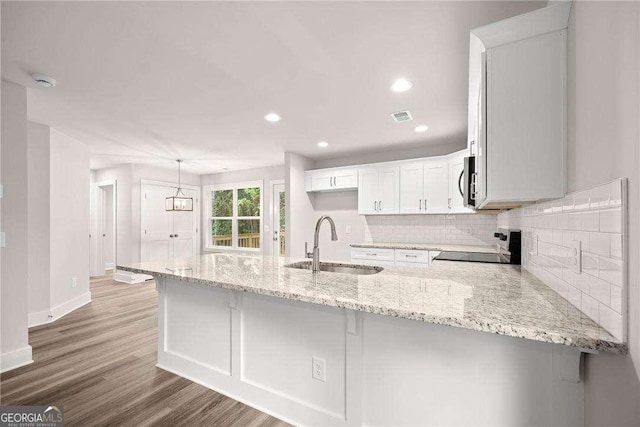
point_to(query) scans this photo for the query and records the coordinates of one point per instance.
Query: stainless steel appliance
(467, 182)
(509, 250)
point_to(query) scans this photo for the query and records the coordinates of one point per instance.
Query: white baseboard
(39, 318)
(15, 359)
(44, 317)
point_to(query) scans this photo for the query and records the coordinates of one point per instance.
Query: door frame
(273, 209)
(196, 208)
(114, 231)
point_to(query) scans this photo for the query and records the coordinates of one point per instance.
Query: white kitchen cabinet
(517, 108)
(333, 179)
(436, 187)
(411, 188)
(393, 257)
(379, 190)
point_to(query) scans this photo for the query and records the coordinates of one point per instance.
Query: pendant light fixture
(179, 202)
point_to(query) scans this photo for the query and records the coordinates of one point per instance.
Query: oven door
(467, 182)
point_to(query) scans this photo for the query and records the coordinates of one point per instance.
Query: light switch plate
(576, 256)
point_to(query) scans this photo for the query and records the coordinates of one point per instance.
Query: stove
(509, 250)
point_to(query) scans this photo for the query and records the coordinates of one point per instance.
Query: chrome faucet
(315, 264)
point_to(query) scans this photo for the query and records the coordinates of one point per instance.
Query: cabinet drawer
(372, 254)
(405, 255)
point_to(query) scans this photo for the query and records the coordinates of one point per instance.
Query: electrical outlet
(74, 282)
(347, 229)
(576, 256)
(318, 368)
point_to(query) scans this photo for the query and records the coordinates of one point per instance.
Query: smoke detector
(43, 80)
(401, 116)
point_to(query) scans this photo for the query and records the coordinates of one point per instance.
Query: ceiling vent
(401, 116)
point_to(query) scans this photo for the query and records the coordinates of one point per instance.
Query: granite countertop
(494, 298)
(428, 247)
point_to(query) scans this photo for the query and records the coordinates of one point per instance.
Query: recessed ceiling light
(323, 144)
(421, 128)
(401, 85)
(43, 80)
(272, 117)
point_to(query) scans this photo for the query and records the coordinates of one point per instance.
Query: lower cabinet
(393, 257)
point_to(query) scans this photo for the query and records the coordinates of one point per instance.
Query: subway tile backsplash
(595, 218)
(459, 229)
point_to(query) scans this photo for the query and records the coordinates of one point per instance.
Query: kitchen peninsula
(342, 349)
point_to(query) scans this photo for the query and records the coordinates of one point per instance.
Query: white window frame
(207, 216)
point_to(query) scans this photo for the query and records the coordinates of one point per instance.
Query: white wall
(267, 175)
(69, 220)
(300, 214)
(14, 347)
(603, 144)
(38, 166)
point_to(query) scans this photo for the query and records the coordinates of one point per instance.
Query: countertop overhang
(495, 298)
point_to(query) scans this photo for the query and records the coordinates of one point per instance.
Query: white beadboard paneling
(595, 217)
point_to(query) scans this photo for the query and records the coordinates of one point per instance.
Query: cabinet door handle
(449, 203)
(372, 254)
(411, 256)
(420, 204)
(375, 206)
(175, 235)
(380, 205)
(331, 181)
(171, 236)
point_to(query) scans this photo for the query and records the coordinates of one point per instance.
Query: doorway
(278, 218)
(167, 234)
(103, 226)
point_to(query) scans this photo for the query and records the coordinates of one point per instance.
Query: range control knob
(496, 235)
(503, 237)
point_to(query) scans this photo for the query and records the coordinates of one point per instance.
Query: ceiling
(148, 82)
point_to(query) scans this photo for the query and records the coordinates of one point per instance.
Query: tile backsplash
(460, 229)
(594, 219)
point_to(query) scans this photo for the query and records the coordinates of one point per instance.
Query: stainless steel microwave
(467, 182)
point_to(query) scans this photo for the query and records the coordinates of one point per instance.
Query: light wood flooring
(99, 363)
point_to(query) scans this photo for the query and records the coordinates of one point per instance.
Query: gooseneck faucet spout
(315, 266)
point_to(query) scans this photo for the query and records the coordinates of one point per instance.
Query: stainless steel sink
(337, 268)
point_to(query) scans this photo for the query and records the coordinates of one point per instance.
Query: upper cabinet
(517, 108)
(333, 179)
(379, 190)
(432, 186)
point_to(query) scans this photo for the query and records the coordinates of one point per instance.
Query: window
(235, 216)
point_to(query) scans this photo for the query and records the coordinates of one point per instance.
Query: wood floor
(99, 363)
